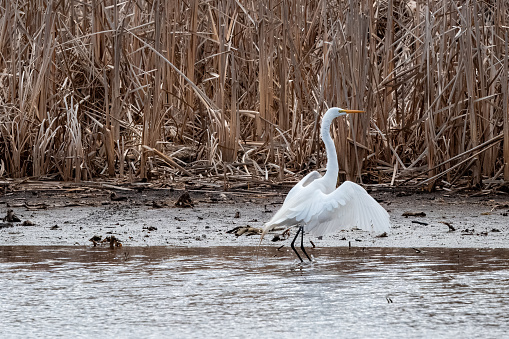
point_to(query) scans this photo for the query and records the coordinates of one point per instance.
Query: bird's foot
(302, 264)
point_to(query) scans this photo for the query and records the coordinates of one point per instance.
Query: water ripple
(239, 292)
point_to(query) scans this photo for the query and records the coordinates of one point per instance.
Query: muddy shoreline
(68, 215)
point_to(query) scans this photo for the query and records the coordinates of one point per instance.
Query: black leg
(293, 244)
(302, 243)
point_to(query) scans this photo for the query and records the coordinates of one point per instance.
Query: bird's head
(337, 112)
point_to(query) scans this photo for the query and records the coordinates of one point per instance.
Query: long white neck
(332, 159)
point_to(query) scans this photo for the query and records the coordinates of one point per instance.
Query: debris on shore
(245, 230)
(11, 217)
(111, 239)
(184, 200)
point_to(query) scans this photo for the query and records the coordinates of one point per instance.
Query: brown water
(227, 292)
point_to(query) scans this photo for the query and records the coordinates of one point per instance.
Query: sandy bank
(70, 215)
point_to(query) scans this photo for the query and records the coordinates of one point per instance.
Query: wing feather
(349, 206)
(304, 182)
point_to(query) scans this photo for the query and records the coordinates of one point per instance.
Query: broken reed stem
(487, 143)
(472, 157)
(167, 159)
(234, 80)
(505, 95)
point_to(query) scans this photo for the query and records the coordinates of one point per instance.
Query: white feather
(320, 208)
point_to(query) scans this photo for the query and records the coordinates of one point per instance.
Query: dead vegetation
(232, 91)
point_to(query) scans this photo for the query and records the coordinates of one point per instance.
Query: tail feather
(266, 229)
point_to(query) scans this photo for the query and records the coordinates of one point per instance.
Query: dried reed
(234, 90)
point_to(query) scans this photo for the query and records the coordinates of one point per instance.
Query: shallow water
(228, 291)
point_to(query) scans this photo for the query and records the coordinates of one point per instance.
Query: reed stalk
(94, 88)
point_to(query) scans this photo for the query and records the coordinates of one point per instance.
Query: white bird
(319, 208)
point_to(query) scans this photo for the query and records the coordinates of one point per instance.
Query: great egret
(319, 208)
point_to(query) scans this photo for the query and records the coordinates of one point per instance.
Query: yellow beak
(352, 111)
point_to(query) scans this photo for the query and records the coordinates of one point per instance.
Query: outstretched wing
(304, 182)
(350, 206)
(297, 197)
(347, 207)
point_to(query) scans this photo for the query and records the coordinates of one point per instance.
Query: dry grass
(234, 89)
